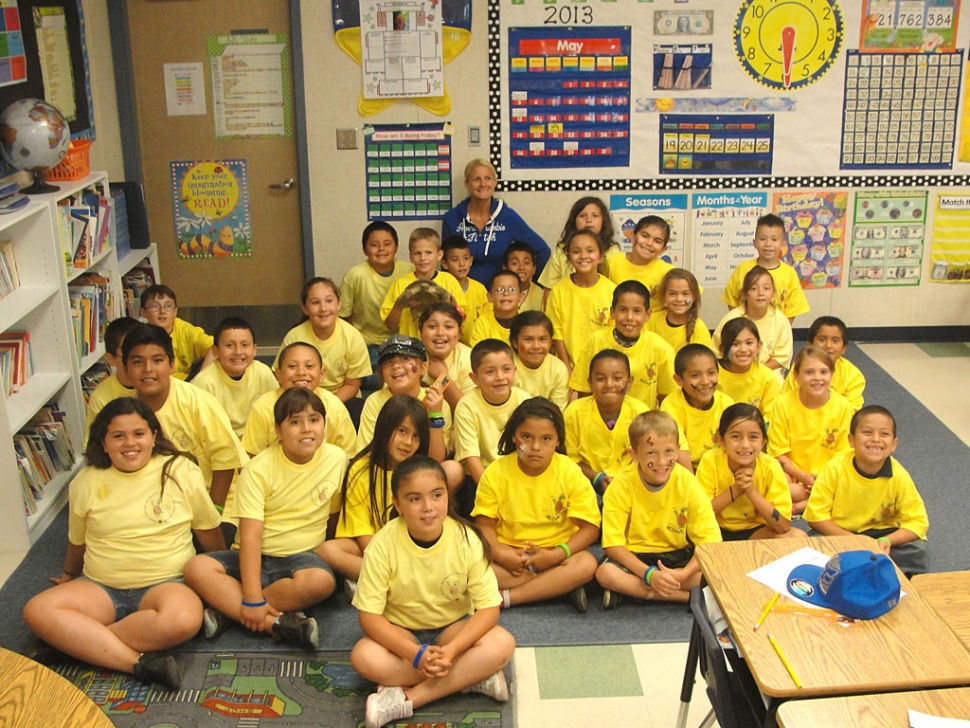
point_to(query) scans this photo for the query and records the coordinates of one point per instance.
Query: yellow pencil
(764, 614)
(784, 661)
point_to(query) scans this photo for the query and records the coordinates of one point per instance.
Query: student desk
(909, 648)
(885, 710)
(33, 696)
(949, 596)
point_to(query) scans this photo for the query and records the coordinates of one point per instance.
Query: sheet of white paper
(922, 720)
(184, 89)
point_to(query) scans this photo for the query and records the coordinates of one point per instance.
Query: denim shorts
(431, 636)
(127, 601)
(273, 568)
(742, 535)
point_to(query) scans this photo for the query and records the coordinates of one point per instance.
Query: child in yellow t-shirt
(537, 511)
(365, 498)
(579, 304)
(678, 322)
(596, 427)
(748, 489)
(400, 311)
(831, 334)
(365, 285)
(449, 360)
(770, 240)
(117, 383)
(236, 378)
(697, 405)
(495, 321)
(341, 346)
(423, 575)
(654, 515)
(457, 260)
(643, 263)
(651, 358)
(810, 425)
(742, 377)
(520, 258)
(865, 490)
(284, 501)
(191, 344)
(587, 213)
(537, 371)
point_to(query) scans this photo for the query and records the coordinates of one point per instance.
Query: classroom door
(176, 31)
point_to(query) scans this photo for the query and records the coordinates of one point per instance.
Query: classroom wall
(106, 152)
(337, 177)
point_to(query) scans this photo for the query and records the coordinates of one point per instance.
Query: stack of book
(90, 379)
(16, 366)
(83, 226)
(90, 311)
(9, 278)
(43, 450)
(134, 284)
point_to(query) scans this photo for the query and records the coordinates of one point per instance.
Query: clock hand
(787, 51)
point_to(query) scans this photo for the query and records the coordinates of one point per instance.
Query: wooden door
(176, 31)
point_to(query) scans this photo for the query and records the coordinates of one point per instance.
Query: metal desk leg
(690, 674)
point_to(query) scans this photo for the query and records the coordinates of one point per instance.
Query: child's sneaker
(213, 623)
(612, 599)
(157, 667)
(494, 686)
(297, 630)
(350, 588)
(387, 704)
(577, 597)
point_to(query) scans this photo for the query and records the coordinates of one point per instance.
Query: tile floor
(639, 685)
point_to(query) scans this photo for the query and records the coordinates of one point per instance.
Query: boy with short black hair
(401, 309)
(236, 378)
(457, 260)
(653, 517)
(504, 296)
(770, 239)
(117, 383)
(191, 344)
(830, 333)
(481, 415)
(520, 258)
(698, 405)
(866, 491)
(190, 417)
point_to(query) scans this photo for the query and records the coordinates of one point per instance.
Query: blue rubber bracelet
(255, 604)
(417, 657)
(647, 574)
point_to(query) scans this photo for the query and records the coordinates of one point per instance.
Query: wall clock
(788, 44)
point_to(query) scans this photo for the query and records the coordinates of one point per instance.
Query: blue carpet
(935, 457)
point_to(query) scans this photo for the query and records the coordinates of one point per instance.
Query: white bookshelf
(42, 306)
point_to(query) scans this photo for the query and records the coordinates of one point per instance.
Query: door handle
(288, 185)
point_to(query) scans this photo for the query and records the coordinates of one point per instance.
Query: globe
(34, 136)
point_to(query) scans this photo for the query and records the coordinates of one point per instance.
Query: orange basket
(75, 165)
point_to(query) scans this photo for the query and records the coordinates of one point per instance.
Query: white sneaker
(494, 686)
(387, 704)
(350, 588)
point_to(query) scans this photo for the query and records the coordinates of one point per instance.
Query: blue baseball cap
(858, 584)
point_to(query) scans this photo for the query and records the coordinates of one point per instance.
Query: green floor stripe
(944, 349)
(598, 671)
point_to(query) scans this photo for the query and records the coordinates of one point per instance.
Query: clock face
(788, 44)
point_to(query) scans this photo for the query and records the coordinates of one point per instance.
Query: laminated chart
(815, 224)
(888, 235)
(900, 110)
(950, 252)
(909, 25)
(408, 171)
(723, 230)
(13, 60)
(402, 49)
(716, 144)
(569, 97)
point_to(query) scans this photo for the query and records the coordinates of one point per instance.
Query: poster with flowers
(815, 224)
(211, 206)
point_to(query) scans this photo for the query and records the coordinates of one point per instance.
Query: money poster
(815, 224)
(888, 233)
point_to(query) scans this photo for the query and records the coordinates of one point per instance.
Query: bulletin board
(82, 121)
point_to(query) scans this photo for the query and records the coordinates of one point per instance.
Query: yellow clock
(788, 44)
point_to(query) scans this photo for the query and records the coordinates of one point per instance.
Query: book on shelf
(90, 379)
(16, 365)
(83, 226)
(9, 278)
(134, 284)
(44, 448)
(90, 297)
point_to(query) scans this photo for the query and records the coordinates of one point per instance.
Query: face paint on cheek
(414, 367)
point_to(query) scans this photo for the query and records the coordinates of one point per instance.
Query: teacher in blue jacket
(488, 224)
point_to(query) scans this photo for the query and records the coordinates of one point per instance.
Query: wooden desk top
(884, 710)
(908, 648)
(33, 696)
(949, 595)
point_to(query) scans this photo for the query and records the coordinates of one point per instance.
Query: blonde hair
(654, 421)
(424, 233)
(479, 162)
(813, 352)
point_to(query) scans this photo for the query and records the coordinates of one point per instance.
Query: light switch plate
(346, 138)
(474, 136)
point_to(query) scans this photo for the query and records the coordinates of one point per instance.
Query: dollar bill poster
(815, 225)
(950, 251)
(626, 210)
(211, 206)
(722, 228)
(888, 234)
